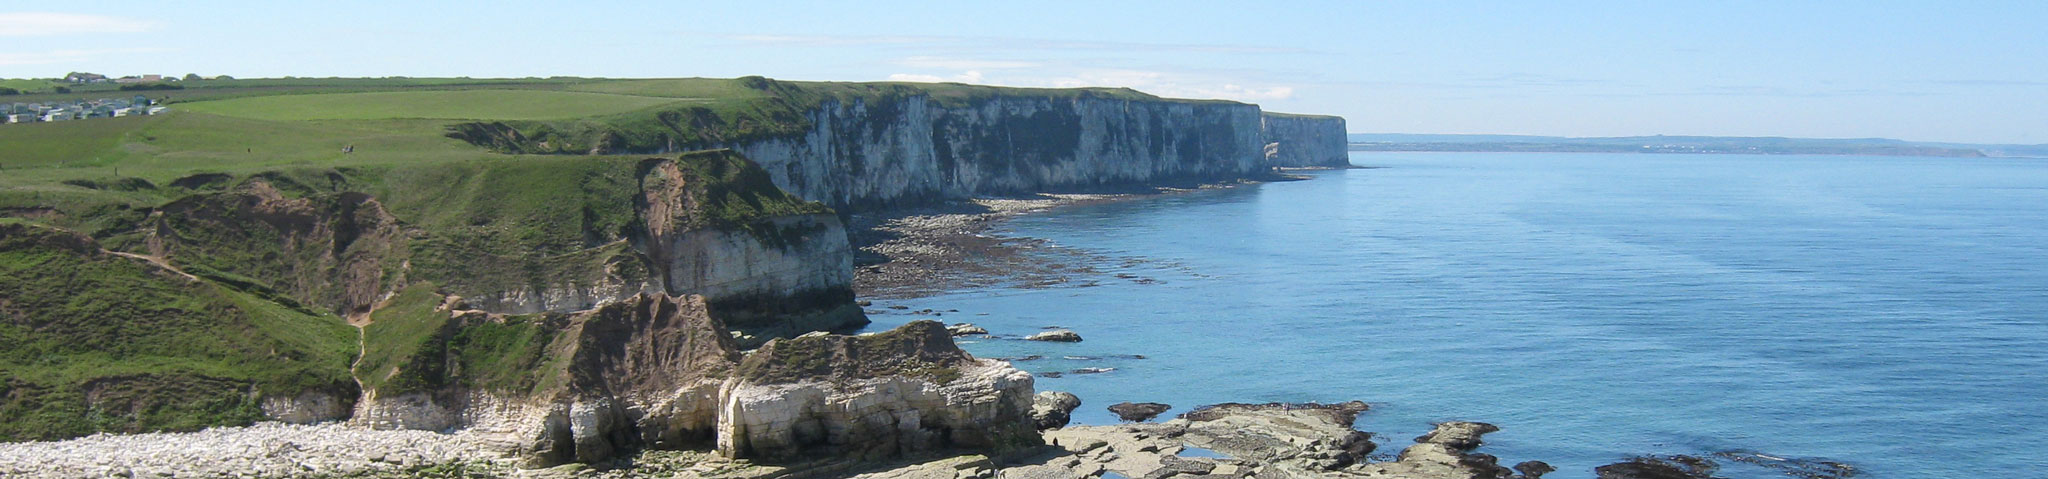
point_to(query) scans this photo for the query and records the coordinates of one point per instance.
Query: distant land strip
(1687, 145)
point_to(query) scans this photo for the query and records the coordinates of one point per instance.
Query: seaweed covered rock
(874, 396)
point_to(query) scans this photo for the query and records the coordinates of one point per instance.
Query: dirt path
(159, 262)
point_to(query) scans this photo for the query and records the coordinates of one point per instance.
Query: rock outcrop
(643, 372)
(1446, 452)
(874, 396)
(1053, 409)
(1057, 336)
(965, 329)
(1304, 140)
(662, 372)
(1137, 412)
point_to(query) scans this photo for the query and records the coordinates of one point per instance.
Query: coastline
(955, 242)
(909, 253)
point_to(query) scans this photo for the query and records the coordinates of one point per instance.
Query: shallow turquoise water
(1891, 313)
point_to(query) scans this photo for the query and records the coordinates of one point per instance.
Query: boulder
(1445, 452)
(1534, 469)
(1058, 336)
(1053, 409)
(1650, 467)
(1138, 412)
(963, 329)
(1460, 435)
(874, 397)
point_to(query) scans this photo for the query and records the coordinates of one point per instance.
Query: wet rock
(1464, 436)
(898, 307)
(1652, 467)
(1138, 412)
(1058, 335)
(1053, 409)
(1091, 370)
(963, 329)
(1445, 452)
(1534, 469)
(1051, 374)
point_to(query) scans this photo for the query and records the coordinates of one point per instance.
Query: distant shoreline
(1539, 148)
(1710, 145)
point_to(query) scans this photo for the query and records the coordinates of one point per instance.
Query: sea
(1888, 313)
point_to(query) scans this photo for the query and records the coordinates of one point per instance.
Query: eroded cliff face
(331, 250)
(660, 371)
(885, 151)
(1304, 140)
(684, 241)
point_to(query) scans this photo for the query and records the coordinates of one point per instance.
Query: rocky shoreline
(915, 252)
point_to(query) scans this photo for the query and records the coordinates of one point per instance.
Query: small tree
(191, 77)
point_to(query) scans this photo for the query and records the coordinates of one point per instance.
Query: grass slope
(97, 342)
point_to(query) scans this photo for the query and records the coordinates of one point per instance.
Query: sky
(1973, 71)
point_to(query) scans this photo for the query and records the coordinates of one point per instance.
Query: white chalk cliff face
(1305, 140)
(914, 149)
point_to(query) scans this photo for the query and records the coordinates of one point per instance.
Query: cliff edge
(1304, 140)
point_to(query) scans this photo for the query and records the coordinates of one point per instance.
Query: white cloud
(945, 63)
(56, 57)
(976, 43)
(38, 24)
(1176, 85)
(970, 76)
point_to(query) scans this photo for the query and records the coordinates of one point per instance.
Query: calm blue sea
(1887, 312)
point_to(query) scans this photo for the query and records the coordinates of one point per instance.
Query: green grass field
(450, 105)
(28, 85)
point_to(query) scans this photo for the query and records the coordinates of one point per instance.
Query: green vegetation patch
(65, 143)
(98, 342)
(411, 346)
(440, 104)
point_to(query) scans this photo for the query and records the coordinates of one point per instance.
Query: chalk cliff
(1304, 140)
(881, 151)
(862, 145)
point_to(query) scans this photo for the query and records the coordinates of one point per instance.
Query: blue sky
(1940, 71)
